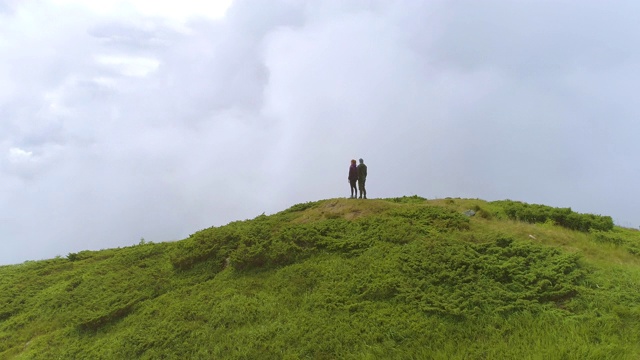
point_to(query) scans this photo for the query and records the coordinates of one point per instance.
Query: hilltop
(400, 278)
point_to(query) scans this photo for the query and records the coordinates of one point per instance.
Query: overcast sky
(122, 120)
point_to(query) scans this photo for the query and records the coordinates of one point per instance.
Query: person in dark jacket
(353, 177)
(362, 177)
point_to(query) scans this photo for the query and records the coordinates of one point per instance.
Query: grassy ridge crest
(340, 278)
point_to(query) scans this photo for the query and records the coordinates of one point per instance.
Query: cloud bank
(120, 120)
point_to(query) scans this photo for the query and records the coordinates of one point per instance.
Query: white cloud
(176, 11)
(20, 156)
(213, 9)
(116, 123)
(105, 81)
(129, 65)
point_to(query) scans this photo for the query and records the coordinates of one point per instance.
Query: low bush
(302, 207)
(461, 279)
(564, 217)
(415, 199)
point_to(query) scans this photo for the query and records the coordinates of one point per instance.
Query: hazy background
(128, 119)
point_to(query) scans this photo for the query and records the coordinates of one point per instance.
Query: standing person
(353, 177)
(362, 177)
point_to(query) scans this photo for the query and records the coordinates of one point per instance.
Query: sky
(123, 120)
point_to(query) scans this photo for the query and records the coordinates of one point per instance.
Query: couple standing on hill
(359, 174)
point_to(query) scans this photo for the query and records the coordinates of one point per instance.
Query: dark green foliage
(391, 229)
(619, 237)
(205, 245)
(79, 255)
(481, 212)
(302, 207)
(340, 235)
(504, 276)
(114, 314)
(433, 216)
(564, 217)
(415, 199)
(267, 245)
(607, 237)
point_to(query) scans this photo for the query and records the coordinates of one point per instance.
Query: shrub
(606, 237)
(85, 254)
(481, 212)
(436, 217)
(565, 217)
(117, 313)
(407, 199)
(210, 244)
(503, 276)
(302, 206)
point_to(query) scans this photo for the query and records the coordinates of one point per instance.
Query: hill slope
(354, 279)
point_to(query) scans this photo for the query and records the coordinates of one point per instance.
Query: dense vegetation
(534, 213)
(402, 278)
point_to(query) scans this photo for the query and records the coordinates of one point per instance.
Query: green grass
(402, 278)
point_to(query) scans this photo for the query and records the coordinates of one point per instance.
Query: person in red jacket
(353, 178)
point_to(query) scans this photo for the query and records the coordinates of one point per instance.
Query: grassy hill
(402, 278)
